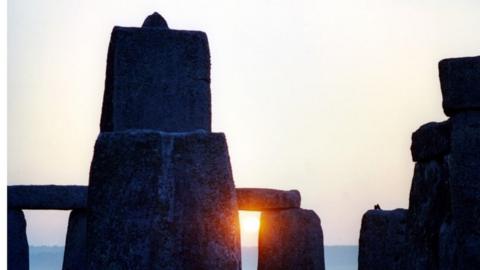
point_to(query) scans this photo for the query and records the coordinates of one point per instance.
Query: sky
(318, 96)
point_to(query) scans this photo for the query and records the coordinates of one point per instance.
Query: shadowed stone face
(17, 240)
(460, 81)
(162, 201)
(157, 78)
(383, 240)
(289, 240)
(431, 141)
(428, 209)
(464, 167)
(75, 255)
(259, 199)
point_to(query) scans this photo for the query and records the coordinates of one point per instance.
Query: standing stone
(447, 248)
(428, 208)
(17, 240)
(383, 240)
(290, 239)
(431, 141)
(464, 166)
(259, 199)
(75, 255)
(157, 78)
(162, 201)
(460, 82)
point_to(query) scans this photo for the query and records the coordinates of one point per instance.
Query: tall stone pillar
(161, 192)
(162, 201)
(290, 239)
(460, 81)
(17, 240)
(75, 255)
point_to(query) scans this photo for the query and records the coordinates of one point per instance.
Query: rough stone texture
(464, 167)
(47, 197)
(431, 141)
(460, 82)
(383, 240)
(428, 208)
(162, 201)
(75, 255)
(17, 241)
(157, 78)
(447, 248)
(290, 239)
(259, 199)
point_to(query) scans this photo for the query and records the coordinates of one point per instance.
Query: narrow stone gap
(249, 226)
(46, 234)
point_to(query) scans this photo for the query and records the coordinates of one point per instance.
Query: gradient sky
(319, 96)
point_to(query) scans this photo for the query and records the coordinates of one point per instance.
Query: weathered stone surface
(447, 248)
(383, 240)
(157, 78)
(460, 82)
(431, 141)
(464, 170)
(17, 241)
(47, 197)
(75, 255)
(259, 199)
(162, 201)
(290, 239)
(428, 208)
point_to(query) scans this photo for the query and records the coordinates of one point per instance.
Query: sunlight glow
(249, 226)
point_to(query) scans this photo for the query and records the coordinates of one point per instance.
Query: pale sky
(319, 96)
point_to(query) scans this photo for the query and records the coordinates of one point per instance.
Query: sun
(249, 221)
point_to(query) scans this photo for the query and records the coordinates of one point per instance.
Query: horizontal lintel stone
(47, 197)
(259, 199)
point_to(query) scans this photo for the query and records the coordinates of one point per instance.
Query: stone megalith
(260, 199)
(464, 170)
(460, 83)
(290, 239)
(47, 197)
(431, 141)
(75, 255)
(383, 240)
(162, 201)
(157, 78)
(17, 240)
(428, 209)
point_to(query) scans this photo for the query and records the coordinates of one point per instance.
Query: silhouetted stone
(431, 141)
(464, 167)
(460, 81)
(155, 20)
(290, 239)
(47, 197)
(383, 240)
(162, 201)
(258, 199)
(17, 241)
(157, 78)
(75, 255)
(447, 248)
(428, 208)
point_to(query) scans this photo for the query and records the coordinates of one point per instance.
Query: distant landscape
(336, 257)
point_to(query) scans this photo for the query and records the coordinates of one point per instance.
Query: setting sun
(249, 221)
